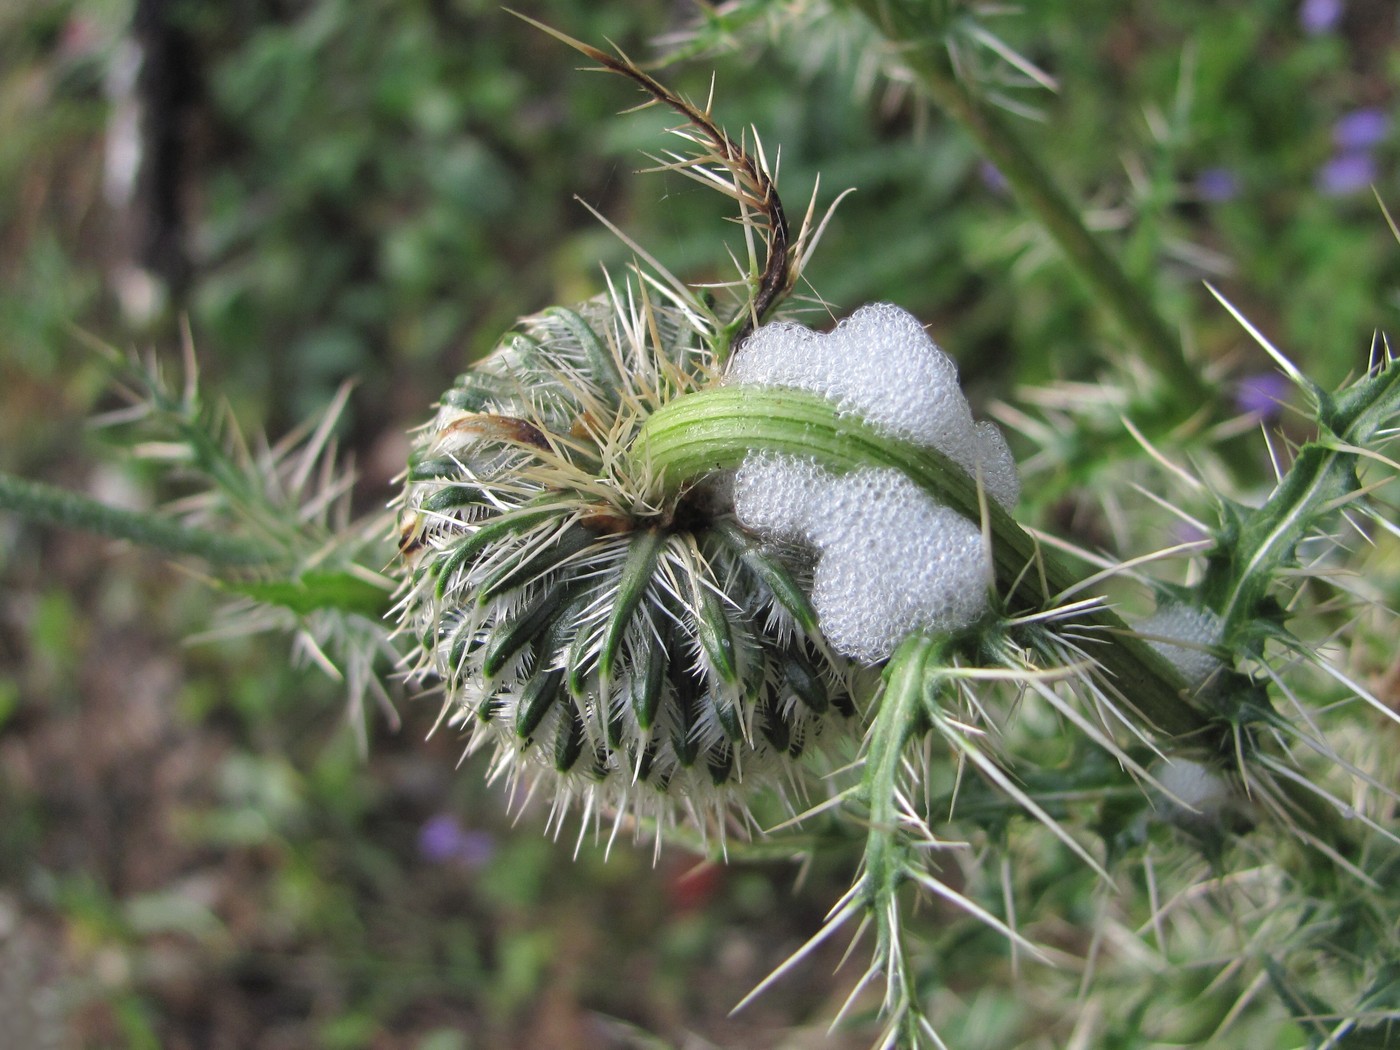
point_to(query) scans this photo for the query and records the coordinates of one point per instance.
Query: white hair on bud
(1197, 629)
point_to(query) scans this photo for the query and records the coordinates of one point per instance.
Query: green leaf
(805, 683)
(550, 555)
(311, 591)
(648, 676)
(568, 745)
(466, 550)
(712, 630)
(453, 496)
(773, 575)
(510, 635)
(601, 366)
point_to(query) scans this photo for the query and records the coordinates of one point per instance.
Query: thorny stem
(895, 723)
(1322, 478)
(51, 505)
(716, 429)
(754, 186)
(1035, 190)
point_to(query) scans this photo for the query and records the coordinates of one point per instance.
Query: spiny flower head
(624, 646)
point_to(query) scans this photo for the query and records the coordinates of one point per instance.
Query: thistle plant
(272, 523)
(635, 482)
(669, 551)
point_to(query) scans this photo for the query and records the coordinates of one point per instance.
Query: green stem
(1037, 192)
(1321, 480)
(716, 429)
(48, 504)
(886, 849)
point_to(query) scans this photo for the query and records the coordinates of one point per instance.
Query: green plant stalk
(1037, 192)
(48, 504)
(896, 722)
(716, 429)
(1322, 478)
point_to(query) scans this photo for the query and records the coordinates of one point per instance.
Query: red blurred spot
(693, 887)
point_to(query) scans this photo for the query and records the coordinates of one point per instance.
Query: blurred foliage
(190, 846)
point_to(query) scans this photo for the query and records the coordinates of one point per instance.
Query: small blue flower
(992, 178)
(1263, 394)
(1347, 173)
(1319, 16)
(1361, 129)
(443, 840)
(1217, 185)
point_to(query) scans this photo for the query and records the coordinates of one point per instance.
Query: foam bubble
(997, 466)
(1198, 630)
(775, 495)
(1196, 786)
(881, 365)
(891, 561)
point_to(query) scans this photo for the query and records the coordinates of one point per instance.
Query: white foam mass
(778, 493)
(880, 364)
(892, 562)
(1197, 629)
(891, 559)
(1193, 785)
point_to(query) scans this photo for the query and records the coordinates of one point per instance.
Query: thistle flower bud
(623, 645)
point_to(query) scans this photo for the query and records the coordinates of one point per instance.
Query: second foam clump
(892, 560)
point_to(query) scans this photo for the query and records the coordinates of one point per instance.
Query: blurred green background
(192, 851)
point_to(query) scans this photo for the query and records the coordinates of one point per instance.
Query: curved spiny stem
(752, 184)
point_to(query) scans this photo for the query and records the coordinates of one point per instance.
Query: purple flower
(992, 177)
(1216, 185)
(442, 839)
(1262, 394)
(1186, 532)
(1319, 16)
(1346, 173)
(1361, 129)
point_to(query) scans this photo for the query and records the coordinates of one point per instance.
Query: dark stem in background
(921, 50)
(51, 505)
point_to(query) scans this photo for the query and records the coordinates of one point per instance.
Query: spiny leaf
(771, 573)
(466, 550)
(602, 367)
(311, 591)
(510, 636)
